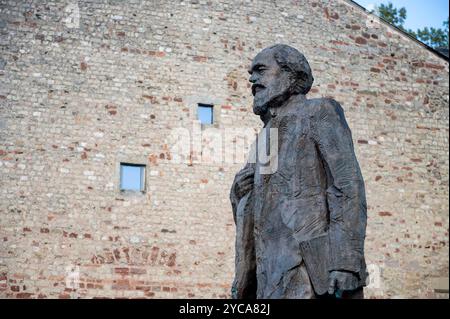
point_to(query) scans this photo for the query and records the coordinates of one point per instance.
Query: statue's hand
(244, 182)
(342, 280)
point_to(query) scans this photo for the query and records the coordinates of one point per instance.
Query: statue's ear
(299, 81)
(304, 82)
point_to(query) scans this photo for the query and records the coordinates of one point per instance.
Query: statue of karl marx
(300, 228)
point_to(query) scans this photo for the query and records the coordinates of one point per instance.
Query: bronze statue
(300, 228)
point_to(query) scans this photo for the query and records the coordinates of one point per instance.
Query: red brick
(384, 213)
(172, 260)
(418, 64)
(334, 16)
(150, 97)
(434, 66)
(198, 58)
(360, 40)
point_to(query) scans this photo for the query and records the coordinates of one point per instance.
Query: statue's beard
(269, 97)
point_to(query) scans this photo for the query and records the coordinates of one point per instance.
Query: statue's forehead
(264, 57)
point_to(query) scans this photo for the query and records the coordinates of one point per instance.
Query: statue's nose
(252, 78)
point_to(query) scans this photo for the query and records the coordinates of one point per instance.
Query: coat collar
(287, 107)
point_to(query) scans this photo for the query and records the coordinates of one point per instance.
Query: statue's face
(270, 82)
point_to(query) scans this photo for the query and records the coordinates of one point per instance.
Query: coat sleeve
(244, 283)
(345, 187)
(234, 199)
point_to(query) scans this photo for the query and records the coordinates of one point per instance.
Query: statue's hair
(294, 62)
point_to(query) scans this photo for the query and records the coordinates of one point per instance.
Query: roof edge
(424, 45)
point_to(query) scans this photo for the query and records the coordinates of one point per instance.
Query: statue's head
(277, 73)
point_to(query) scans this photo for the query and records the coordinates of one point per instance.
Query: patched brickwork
(86, 85)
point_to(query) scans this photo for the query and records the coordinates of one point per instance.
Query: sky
(420, 13)
(130, 178)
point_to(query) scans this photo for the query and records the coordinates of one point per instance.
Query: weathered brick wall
(77, 97)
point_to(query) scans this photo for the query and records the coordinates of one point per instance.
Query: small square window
(205, 113)
(132, 177)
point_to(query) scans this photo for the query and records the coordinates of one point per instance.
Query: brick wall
(86, 85)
